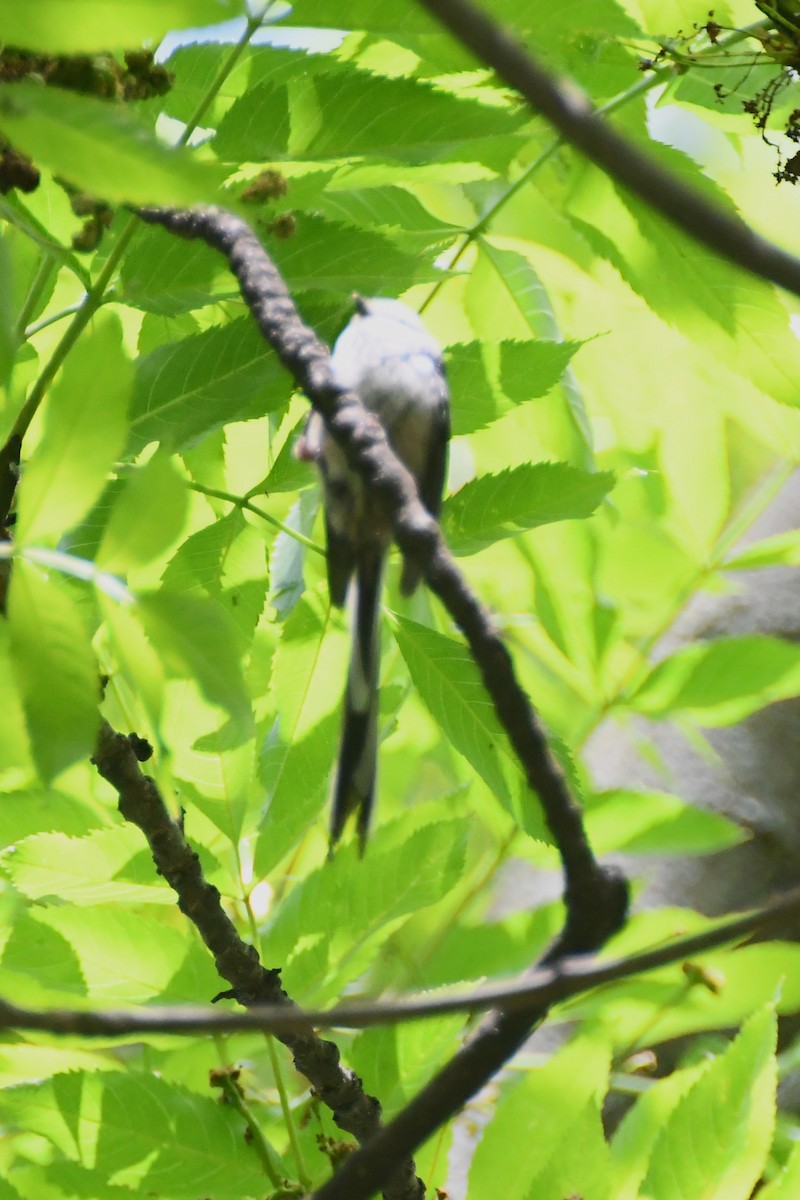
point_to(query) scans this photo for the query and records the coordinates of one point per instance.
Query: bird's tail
(354, 789)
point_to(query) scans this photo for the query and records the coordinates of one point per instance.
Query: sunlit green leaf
(296, 776)
(394, 209)
(358, 114)
(350, 900)
(786, 1185)
(147, 517)
(7, 338)
(656, 823)
(86, 25)
(188, 388)
(325, 255)
(100, 147)
(780, 550)
(84, 433)
(449, 683)
(520, 498)
(195, 638)
(55, 668)
(723, 681)
(168, 276)
(151, 1131)
(82, 871)
(715, 1142)
(568, 1154)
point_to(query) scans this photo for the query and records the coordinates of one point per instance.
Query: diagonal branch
(595, 896)
(568, 109)
(252, 984)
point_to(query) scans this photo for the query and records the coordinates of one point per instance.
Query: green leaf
(226, 560)
(298, 752)
(721, 682)
(200, 560)
(645, 822)
(493, 507)
(186, 389)
(81, 1182)
(134, 656)
(120, 955)
(86, 25)
(358, 113)
(84, 433)
(225, 787)
(287, 473)
(448, 681)
(554, 1112)
(785, 1186)
(197, 640)
(101, 147)
(55, 669)
(505, 284)
(288, 558)
(780, 550)
(324, 255)
(395, 1061)
(39, 964)
(530, 369)
(641, 1127)
(296, 776)
(43, 810)
(362, 14)
(715, 1142)
(147, 517)
(749, 977)
(15, 753)
(521, 288)
(476, 404)
(84, 871)
(527, 370)
(168, 276)
(145, 1131)
(8, 340)
(350, 903)
(412, 226)
(728, 312)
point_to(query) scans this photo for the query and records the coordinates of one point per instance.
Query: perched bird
(388, 358)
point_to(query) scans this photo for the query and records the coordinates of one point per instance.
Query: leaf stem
(37, 327)
(253, 23)
(70, 564)
(246, 503)
(40, 282)
(288, 1115)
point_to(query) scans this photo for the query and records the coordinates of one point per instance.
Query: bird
(387, 357)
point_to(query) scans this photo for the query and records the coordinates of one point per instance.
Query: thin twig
(569, 978)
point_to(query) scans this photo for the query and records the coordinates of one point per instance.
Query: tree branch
(552, 985)
(236, 961)
(596, 897)
(570, 111)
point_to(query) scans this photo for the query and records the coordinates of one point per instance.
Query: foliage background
(623, 409)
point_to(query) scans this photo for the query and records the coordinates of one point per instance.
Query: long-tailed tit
(387, 357)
